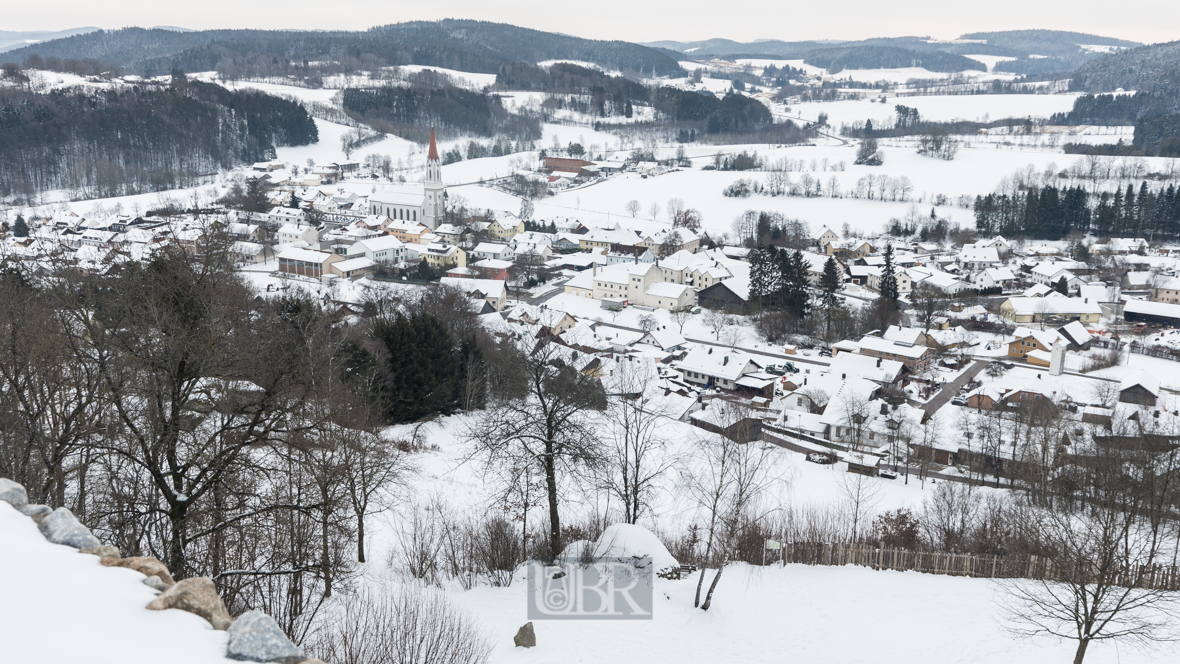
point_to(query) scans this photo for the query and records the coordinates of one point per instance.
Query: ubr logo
(609, 589)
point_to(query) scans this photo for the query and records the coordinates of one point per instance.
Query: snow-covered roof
(1028, 306)
(353, 264)
(1144, 379)
(716, 362)
(1162, 309)
(307, 255)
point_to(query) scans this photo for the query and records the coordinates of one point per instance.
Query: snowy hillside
(58, 606)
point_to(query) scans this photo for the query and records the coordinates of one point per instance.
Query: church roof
(433, 154)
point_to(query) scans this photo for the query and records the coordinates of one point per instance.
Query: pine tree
(829, 284)
(757, 277)
(20, 228)
(798, 297)
(1062, 286)
(889, 291)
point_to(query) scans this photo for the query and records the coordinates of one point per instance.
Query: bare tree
(859, 496)
(680, 317)
(548, 426)
(1102, 550)
(637, 421)
(633, 207)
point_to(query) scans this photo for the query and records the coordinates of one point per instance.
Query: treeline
(475, 46)
(732, 114)
(125, 141)
(408, 111)
(836, 60)
(590, 90)
(1051, 213)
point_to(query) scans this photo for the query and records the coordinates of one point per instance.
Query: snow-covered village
(457, 342)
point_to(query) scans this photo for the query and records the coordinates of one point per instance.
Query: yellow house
(444, 256)
(505, 227)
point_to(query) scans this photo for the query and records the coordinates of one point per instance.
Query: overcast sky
(645, 20)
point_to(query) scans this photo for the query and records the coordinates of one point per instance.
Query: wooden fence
(1156, 577)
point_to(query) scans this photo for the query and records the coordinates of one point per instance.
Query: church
(422, 202)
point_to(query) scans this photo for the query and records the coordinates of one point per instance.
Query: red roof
(433, 155)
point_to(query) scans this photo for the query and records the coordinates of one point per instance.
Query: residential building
(382, 250)
(444, 256)
(916, 358)
(500, 252)
(491, 291)
(715, 367)
(1040, 309)
(289, 233)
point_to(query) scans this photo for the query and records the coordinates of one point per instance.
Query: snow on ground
(940, 108)
(58, 605)
(825, 615)
(472, 79)
(1133, 363)
(990, 60)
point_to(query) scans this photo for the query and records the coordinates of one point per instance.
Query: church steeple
(433, 188)
(433, 165)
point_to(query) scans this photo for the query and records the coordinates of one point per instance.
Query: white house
(289, 233)
(995, 276)
(382, 250)
(500, 252)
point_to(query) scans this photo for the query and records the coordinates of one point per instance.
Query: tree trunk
(325, 557)
(712, 587)
(554, 521)
(1081, 653)
(176, 562)
(360, 538)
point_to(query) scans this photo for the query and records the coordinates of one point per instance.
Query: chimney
(843, 376)
(725, 360)
(878, 363)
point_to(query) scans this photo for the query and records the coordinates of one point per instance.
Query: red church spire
(433, 155)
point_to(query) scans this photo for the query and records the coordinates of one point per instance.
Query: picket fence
(1155, 577)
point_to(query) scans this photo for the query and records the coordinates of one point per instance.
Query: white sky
(1147, 21)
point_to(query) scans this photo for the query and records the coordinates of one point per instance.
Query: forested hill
(1154, 69)
(1035, 51)
(475, 46)
(838, 59)
(131, 140)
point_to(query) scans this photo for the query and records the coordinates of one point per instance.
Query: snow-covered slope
(58, 606)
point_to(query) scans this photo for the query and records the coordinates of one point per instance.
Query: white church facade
(420, 202)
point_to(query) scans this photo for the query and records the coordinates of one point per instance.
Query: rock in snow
(101, 551)
(13, 493)
(525, 636)
(36, 512)
(255, 637)
(145, 565)
(61, 527)
(197, 595)
(154, 583)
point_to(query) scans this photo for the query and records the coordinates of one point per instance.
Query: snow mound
(624, 540)
(48, 591)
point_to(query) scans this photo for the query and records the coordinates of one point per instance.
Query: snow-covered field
(939, 108)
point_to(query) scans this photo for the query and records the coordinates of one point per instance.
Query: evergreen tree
(758, 277)
(293, 203)
(20, 228)
(795, 285)
(423, 373)
(1062, 286)
(829, 284)
(889, 291)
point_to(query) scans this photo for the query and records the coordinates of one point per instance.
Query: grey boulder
(525, 636)
(36, 512)
(155, 583)
(13, 493)
(61, 527)
(255, 637)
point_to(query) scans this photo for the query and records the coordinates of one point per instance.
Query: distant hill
(1154, 69)
(475, 46)
(838, 59)
(1054, 50)
(10, 40)
(1058, 51)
